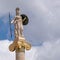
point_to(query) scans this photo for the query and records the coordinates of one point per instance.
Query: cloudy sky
(47, 51)
(42, 31)
(43, 19)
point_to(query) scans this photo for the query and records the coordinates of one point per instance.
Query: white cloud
(5, 54)
(47, 51)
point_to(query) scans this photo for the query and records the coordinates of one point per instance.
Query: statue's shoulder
(18, 17)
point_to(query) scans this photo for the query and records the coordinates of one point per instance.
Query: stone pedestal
(20, 54)
(19, 45)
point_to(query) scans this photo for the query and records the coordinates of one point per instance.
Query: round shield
(25, 19)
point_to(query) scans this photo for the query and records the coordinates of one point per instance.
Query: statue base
(19, 43)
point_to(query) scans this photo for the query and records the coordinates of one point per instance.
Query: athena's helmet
(17, 11)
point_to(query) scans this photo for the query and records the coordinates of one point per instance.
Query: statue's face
(17, 12)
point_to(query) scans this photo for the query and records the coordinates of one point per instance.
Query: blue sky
(43, 19)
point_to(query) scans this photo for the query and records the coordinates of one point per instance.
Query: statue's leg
(16, 33)
(21, 30)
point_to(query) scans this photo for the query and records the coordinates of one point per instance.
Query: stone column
(20, 54)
